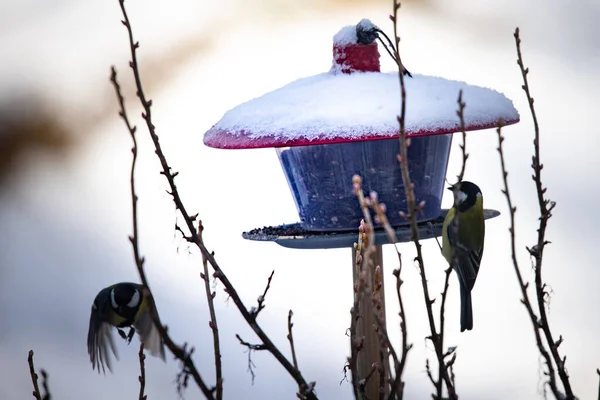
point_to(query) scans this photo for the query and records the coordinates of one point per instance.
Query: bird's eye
(113, 302)
(135, 300)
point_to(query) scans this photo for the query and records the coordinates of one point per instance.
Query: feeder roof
(337, 108)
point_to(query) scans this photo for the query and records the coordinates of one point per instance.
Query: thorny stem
(177, 351)
(522, 284)
(210, 298)
(546, 206)
(189, 221)
(410, 198)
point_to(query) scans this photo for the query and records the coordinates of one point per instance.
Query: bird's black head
(124, 297)
(465, 194)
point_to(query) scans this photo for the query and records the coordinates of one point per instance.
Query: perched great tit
(121, 305)
(463, 243)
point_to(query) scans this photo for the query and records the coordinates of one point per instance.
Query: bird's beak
(450, 188)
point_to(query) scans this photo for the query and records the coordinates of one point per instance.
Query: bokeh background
(64, 194)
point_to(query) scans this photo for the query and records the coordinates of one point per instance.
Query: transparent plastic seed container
(320, 179)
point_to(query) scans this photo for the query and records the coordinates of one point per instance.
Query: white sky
(64, 227)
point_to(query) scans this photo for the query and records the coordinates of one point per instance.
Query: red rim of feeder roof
(353, 102)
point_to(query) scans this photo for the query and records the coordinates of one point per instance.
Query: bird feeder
(328, 127)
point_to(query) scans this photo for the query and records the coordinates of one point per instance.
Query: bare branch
(214, 327)
(45, 386)
(412, 208)
(546, 207)
(177, 351)
(142, 377)
(290, 337)
(463, 146)
(522, 284)
(34, 377)
(189, 219)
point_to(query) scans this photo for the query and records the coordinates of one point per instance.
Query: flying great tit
(121, 305)
(463, 243)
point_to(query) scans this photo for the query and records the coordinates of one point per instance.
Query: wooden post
(366, 327)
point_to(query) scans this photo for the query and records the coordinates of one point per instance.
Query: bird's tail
(466, 309)
(150, 336)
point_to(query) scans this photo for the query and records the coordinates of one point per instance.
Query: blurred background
(65, 206)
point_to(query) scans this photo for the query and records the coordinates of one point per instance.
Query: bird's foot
(126, 336)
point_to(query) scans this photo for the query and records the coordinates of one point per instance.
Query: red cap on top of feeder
(355, 49)
(358, 104)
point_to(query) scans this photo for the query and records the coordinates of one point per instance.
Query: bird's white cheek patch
(112, 299)
(135, 300)
(461, 196)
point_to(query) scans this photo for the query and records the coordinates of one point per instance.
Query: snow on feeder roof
(355, 102)
(329, 127)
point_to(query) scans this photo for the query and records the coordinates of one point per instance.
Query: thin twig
(447, 272)
(412, 209)
(210, 298)
(261, 298)
(34, 377)
(546, 206)
(251, 347)
(142, 377)
(463, 146)
(45, 385)
(290, 337)
(598, 372)
(189, 221)
(177, 351)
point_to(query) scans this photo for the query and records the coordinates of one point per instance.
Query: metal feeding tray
(293, 236)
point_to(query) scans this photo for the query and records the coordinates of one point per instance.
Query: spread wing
(100, 336)
(144, 325)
